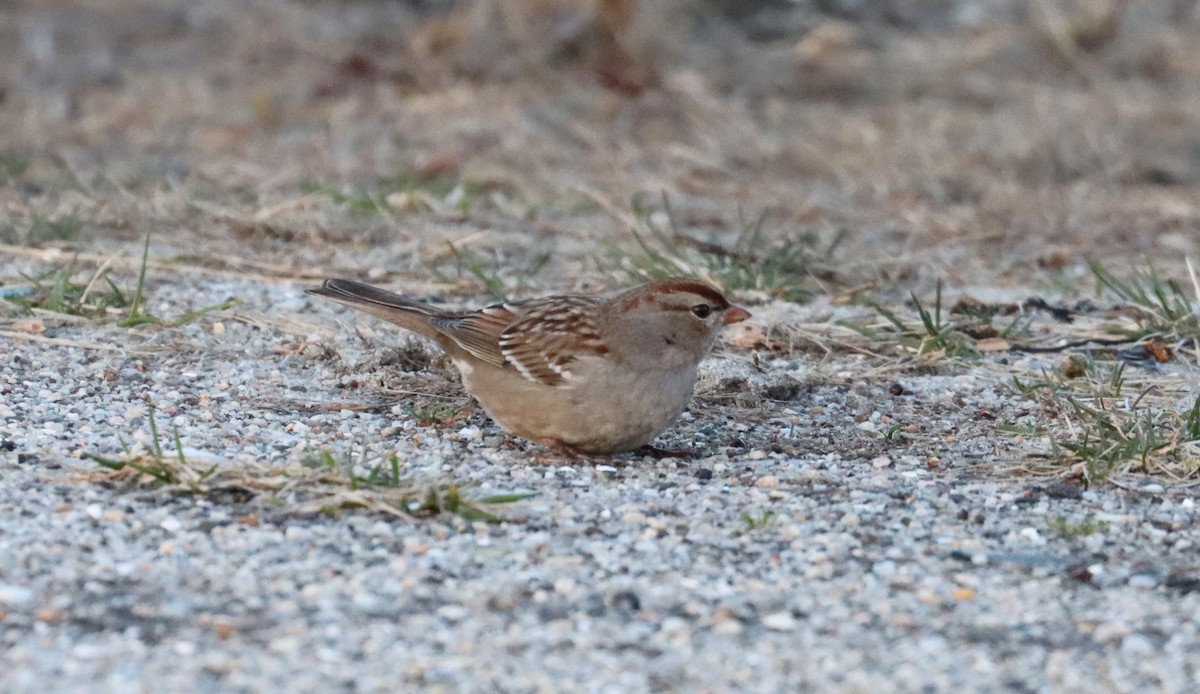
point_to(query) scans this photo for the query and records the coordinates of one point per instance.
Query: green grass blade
(505, 498)
(135, 308)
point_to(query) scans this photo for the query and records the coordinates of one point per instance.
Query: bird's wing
(540, 339)
(550, 336)
(478, 332)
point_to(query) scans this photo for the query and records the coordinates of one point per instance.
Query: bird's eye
(702, 311)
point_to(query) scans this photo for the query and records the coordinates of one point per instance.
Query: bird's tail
(406, 313)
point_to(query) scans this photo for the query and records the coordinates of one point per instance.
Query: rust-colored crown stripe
(694, 287)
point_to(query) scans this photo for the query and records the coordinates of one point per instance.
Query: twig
(1195, 281)
(96, 278)
(71, 343)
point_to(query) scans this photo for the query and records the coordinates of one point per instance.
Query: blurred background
(887, 143)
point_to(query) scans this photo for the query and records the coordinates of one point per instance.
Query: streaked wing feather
(540, 338)
(479, 332)
(549, 335)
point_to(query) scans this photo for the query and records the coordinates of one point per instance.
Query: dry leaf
(992, 344)
(31, 326)
(745, 336)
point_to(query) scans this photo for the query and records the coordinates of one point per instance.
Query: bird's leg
(660, 453)
(560, 450)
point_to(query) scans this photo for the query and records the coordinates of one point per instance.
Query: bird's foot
(661, 453)
(560, 451)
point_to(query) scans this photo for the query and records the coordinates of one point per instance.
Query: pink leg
(560, 450)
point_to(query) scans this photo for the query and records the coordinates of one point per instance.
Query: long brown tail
(406, 313)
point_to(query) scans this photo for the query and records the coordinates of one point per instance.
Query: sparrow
(590, 375)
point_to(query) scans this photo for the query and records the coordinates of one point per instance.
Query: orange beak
(735, 314)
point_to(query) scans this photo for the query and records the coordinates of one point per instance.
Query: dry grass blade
(96, 277)
(319, 484)
(60, 342)
(286, 275)
(282, 324)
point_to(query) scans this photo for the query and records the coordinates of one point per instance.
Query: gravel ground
(853, 520)
(801, 551)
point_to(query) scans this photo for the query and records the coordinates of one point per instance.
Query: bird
(588, 375)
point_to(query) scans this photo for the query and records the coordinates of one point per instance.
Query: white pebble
(1137, 645)
(1143, 581)
(453, 613)
(780, 621)
(1033, 536)
(15, 595)
(296, 533)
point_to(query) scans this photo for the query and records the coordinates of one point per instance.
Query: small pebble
(767, 482)
(780, 621)
(15, 595)
(1143, 581)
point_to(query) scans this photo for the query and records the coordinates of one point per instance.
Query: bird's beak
(735, 314)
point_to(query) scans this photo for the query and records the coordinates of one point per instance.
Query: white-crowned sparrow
(594, 375)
